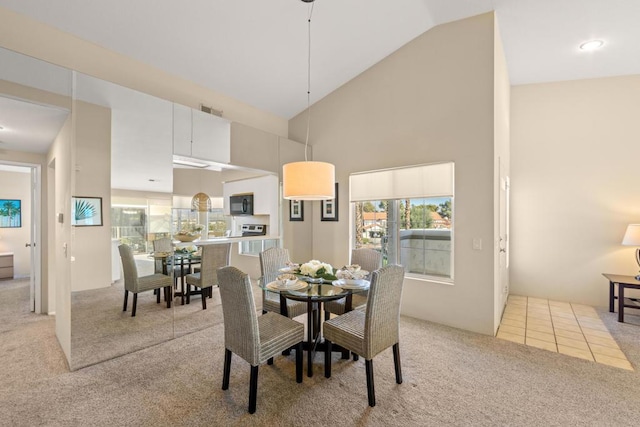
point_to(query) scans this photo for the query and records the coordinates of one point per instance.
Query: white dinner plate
(353, 284)
(278, 286)
(288, 270)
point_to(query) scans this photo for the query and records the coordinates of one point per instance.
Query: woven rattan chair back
(271, 260)
(367, 259)
(241, 335)
(382, 316)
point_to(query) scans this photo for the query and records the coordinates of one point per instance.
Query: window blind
(434, 180)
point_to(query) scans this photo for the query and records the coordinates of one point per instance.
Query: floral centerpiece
(190, 234)
(187, 249)
(315, 269)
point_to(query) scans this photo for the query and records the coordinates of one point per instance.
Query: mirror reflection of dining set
(195, 272)
(361, 304)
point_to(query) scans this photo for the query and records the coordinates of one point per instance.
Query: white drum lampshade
(632, 238)
(308, 180)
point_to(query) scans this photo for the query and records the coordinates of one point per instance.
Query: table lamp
(632, 238)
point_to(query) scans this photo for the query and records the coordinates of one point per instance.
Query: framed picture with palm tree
(10, 213)
(86, 211)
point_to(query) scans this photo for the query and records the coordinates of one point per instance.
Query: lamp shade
(632, 235)
(308, 180)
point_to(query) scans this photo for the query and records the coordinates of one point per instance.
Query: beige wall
(575, 150)
(59, 161)
(430, 101)
(16, 185)
(188, 182)
(91, 248)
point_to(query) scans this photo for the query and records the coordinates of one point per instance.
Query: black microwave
(241, 205)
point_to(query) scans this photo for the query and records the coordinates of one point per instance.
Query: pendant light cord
(306, 142)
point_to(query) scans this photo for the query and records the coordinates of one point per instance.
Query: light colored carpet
(451, 377)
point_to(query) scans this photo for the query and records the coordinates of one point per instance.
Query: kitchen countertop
(230, 239)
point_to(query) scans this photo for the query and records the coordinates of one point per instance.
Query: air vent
(210, 110)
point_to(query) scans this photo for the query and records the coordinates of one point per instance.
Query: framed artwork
(86, 211)
(329, 208)
(10, 213)
(296, 210)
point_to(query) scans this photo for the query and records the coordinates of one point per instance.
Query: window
(414, 231)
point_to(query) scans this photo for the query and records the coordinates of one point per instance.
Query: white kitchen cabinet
(200, 135)
(265, 191)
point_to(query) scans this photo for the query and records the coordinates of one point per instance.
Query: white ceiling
(256, 50)
(27, 126)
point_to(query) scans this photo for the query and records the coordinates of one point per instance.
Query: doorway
(21, 182)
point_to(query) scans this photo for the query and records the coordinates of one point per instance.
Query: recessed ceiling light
(591, 45)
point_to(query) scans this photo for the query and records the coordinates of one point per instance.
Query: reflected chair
(373, 330)
(271, 260)
(213, 257)
(256, 339)
(369, 260)
(135, 284)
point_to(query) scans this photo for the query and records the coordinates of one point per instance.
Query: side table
(622, 282)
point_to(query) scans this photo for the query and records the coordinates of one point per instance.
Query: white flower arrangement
(315, 268)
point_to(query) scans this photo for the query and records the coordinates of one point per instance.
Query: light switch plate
(477, 243)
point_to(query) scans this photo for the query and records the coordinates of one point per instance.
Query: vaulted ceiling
(256, 50)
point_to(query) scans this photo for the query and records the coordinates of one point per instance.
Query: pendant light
(308, 180)
(201, 203)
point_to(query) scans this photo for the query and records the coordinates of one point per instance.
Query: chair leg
(253, 389)
(126, 297)
(157, 296)
(168, 295)
(270, 361)
(327, 315)
(327, 358)
(355, 357)
(396, 362)
(204, 299)
(188, 293)
(371, 392)
(299, 362)
(227, 368)
(135, 304)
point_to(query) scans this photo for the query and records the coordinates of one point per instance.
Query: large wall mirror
(114, 147)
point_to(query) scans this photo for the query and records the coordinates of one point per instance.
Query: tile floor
(572, 329)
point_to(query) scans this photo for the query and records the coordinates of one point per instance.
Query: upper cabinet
(200, 135)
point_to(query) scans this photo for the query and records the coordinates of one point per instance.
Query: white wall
(430, 101)
(16, 185)
(575, 187)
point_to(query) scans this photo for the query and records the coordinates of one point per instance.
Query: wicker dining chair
(369, 260)
(135, 284)
(271, 260)
(213, 257)
(256, 339)
(373, 330)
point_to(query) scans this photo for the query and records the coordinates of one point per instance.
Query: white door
(35, 244)
(504, 240)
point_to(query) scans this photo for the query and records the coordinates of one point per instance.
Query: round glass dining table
(314, 294)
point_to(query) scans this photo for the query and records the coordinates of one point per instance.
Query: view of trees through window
(415, 233)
